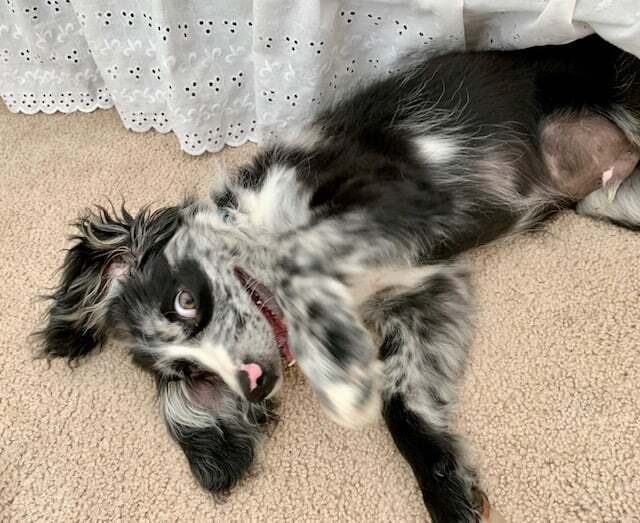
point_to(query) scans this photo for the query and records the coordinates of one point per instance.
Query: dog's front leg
(331, 345)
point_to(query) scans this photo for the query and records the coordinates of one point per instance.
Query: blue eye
(226, 215)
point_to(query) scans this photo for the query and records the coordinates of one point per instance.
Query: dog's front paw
(337, 356)
(333, 348)
(356, 401)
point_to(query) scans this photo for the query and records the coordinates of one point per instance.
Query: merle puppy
(337, 248)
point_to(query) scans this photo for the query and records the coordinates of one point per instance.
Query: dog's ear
(216, 429)
(106, 248)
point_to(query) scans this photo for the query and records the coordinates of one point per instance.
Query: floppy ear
(106, 248)
(217, 430)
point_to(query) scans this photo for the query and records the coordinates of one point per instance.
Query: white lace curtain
(226, 71)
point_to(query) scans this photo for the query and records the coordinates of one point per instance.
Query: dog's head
(187, 292)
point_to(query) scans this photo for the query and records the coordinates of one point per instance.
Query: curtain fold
(224, 72)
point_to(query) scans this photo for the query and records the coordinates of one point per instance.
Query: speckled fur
(411, 171)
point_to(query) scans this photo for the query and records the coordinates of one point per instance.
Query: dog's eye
(226, 215)
(185, 304)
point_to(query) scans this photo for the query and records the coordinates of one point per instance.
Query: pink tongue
(254, 372)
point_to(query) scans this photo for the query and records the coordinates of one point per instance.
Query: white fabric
(221, 72)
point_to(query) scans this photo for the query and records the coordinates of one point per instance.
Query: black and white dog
(338, 248)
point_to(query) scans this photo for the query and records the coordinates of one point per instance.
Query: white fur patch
(219, 182)
(280, 204)
(209, 356)
(437, 149)
(178, 408)
(347, 408)
(306, 138)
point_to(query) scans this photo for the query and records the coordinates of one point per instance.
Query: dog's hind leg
(426, 331)
(592, 146)
(621, 206)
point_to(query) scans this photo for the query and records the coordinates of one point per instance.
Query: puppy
(337, 247)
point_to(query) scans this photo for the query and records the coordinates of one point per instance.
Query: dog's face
(195, 308)
(187, 292)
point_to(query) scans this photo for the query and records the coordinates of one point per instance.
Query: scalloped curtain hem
(140, 128)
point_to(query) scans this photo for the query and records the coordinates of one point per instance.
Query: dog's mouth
(264, 299)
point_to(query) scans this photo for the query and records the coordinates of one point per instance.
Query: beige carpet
(551, 403)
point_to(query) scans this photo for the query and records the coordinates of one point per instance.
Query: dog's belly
(366, 284)
(583, 151)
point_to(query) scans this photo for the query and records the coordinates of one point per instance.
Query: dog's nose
(256, 381)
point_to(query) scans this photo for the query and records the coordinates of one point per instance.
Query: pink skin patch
(606, 176)
(117, 268)
(254, 372)
(611, 182)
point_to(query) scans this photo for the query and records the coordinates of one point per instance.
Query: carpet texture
(551, 402)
